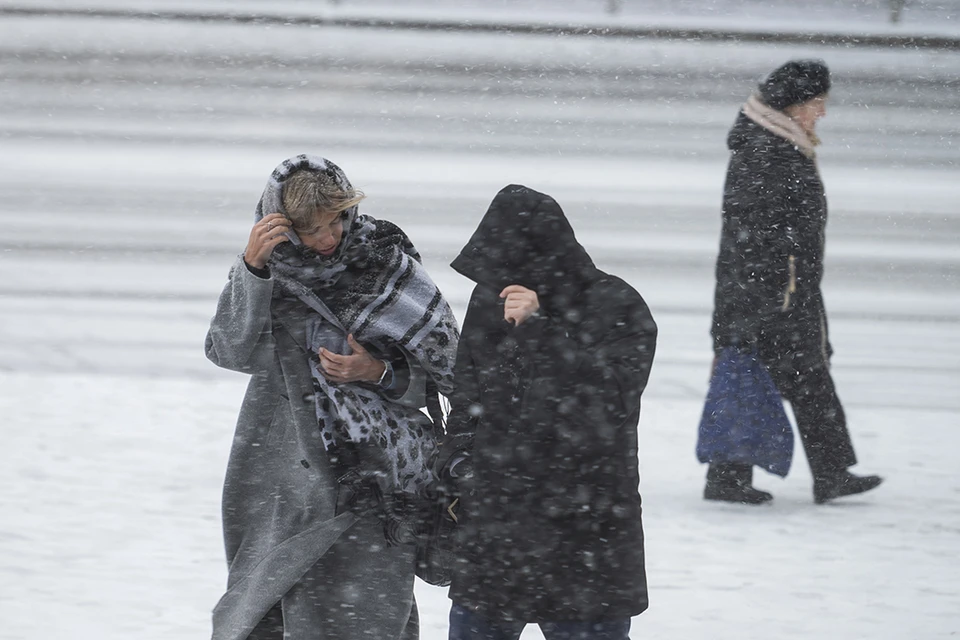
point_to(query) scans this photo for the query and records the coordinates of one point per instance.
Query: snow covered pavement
(111, 522)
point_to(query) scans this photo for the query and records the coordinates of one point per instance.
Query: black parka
(550, 520)
(770, 262)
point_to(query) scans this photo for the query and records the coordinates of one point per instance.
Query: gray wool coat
(281, 531)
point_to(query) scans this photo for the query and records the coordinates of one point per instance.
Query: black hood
(524, 238)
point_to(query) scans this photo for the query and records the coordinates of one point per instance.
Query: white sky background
(133, 157)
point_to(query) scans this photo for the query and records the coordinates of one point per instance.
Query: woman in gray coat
(343, 333)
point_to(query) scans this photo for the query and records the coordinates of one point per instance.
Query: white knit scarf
(780, 124)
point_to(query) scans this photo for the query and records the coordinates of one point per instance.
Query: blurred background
(136, 137)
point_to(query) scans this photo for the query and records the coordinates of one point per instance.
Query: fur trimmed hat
(794, 83)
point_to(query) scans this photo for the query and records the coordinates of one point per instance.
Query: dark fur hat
(795, 82)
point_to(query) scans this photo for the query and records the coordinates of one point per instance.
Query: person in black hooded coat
(769, 270)
(542, 434)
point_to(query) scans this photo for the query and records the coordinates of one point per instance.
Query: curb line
(934, 42)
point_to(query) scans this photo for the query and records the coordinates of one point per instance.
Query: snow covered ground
(132, 156)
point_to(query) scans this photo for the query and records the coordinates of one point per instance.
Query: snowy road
(132, 156)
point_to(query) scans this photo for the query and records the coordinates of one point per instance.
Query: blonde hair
(309, 196)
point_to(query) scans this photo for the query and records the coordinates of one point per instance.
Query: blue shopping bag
(743, 417)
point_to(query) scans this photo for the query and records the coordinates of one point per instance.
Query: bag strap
(434, 410)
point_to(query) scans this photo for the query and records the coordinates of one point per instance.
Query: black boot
(732, 482)
(842, 484)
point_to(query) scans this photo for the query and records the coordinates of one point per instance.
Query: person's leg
(603, 630)
(412, 630)
(733, 482)
(825, 437)
(821, 420)
(467, 625)
(361, 588)
(270, 627)
(805, 382)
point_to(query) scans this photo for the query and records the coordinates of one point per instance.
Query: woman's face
(807, 113)
(324, 237)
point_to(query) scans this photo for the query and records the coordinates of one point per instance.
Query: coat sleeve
(602, 373)
(465, 406)
(410, 381)
(240, 337)
(772, 239)
(765, 228)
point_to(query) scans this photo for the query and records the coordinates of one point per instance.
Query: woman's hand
(265, 235)
(360, 366)
(520, 303)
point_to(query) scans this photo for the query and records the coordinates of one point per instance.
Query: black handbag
(436, 547)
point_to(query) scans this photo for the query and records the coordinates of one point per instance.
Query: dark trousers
(802, 375)
(467, 625)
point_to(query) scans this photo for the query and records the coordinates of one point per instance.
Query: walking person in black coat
(542, 434)
(769, 270)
